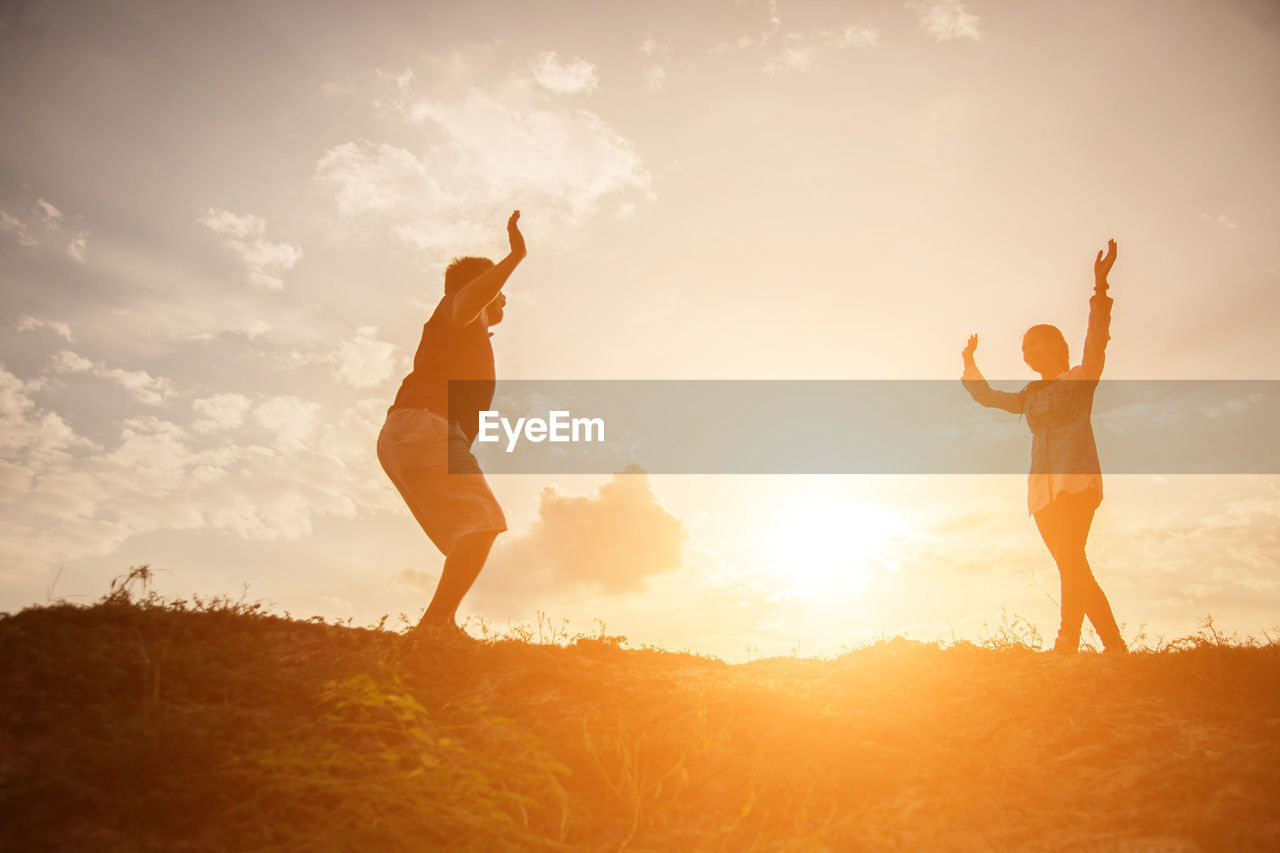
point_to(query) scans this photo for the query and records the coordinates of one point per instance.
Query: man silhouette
(1064, 487)
(425, 444)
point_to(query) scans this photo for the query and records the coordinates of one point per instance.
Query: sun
(817, 548)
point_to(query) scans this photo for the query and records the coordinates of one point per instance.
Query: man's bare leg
(461, 568)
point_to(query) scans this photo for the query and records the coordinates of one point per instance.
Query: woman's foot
(1065, 645)
(437, 632)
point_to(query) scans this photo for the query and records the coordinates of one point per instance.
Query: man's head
(465, 270)
(1044, 349)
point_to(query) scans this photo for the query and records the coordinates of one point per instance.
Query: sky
(223, 225)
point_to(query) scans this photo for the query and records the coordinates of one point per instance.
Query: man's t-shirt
(449, 352)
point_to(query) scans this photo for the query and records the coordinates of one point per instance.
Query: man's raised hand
(1102, 266)
(517, 239)
(969, 349)
(471, 300)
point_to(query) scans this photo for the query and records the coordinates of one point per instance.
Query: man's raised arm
(481, 290)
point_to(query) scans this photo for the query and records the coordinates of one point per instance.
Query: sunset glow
(222, 229)
(822, 549)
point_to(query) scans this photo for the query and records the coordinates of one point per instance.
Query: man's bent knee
(476, 539)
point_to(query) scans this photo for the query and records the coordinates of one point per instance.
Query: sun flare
(820, 548)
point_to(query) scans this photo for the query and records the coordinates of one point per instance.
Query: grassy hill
(144, 724)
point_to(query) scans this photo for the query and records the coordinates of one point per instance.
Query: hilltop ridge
(144, 724)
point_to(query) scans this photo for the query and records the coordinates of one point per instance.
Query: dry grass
(145, 724)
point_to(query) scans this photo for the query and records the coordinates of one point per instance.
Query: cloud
(220, 412)
(799, 51)
(740, 43)
(1235, 406)
(140, 384)
(65, 361)
(655, 73)
(798, 58)
(403, 80)
(504, 148)
(475, 148)
(360, 361)
(1221, 220)
(32, 442)
(947, 20)
(370, 178)
(577, 77)
(16, 227)
(27, 323)
(612, 541)
(1221, 559)
(143, 386)
(748, 42)
(364, 361)
(251, 327)
(47, 220)
(75, 249)
(291, 420)
(246, 236)
(415, 578)
(26, 431)
(65, 498)
(48, 212)
(859, 35)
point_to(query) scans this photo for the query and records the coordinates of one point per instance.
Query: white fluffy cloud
(290, 420)
(26, 431)
(144, 387)
(369, 178)
(27, 323)
(565, 78)
(263, 468)
(466, 152)
(246, 236)
(220, 412)
(140, 384)
(364, 361)
(947, 20)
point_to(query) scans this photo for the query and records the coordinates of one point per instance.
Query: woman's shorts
(430, 463)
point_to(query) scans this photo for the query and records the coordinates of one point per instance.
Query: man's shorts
(418, 449)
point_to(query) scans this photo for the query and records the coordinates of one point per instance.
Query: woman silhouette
(1064, 487)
